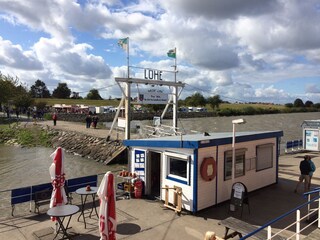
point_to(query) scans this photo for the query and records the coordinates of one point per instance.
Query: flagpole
(127, 98)
(128, 70)
(175, 95)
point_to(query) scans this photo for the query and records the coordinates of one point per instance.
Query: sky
(242, 50)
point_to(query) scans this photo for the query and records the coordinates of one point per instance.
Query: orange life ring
(208, 169)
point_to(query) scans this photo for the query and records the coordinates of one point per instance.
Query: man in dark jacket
(305, 169)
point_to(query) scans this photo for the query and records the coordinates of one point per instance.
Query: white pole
(233, 152)
(175, 95)
(128, 98)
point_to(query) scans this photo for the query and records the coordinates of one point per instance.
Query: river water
(21, 167)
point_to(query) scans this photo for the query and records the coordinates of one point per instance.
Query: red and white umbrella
(107, 211)
(56, 171)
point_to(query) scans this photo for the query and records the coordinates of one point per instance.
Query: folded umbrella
(107, 211)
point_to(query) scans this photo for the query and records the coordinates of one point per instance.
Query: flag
(123, 43)
(172, 53)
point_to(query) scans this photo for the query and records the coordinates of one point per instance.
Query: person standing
(313, 168)
(54, 118)
(88, 120)
(305, 169)
(95, 120)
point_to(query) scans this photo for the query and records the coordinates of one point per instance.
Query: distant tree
(298, 103)
(75, 95)
(62, 91)
(94, 95)
(308, 104)
(214, 101)
(7, 88)
(41, 105)
(197, 99)
(39, 90)
(13, 93)
(289, 105)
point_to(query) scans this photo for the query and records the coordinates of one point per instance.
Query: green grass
(52, 101)
(245, 105)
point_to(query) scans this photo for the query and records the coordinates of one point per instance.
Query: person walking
(305, 169)
(313, 169)
(54, 118)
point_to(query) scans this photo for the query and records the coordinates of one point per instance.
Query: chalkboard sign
(239, 197)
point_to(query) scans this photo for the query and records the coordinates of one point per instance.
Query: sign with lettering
(152, 74)
(152, 96)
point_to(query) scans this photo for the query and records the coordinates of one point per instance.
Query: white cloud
(13, 56)
(223, 47)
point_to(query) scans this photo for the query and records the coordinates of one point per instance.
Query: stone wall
(108, 117)
(97, 149)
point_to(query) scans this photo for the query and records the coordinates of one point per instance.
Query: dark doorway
(155, 169)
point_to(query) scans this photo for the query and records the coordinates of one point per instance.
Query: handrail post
(269, 233)
(319, 211)
(309, 198)
(298, 225)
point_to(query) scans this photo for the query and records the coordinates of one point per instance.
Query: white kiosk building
(311, 133)
(201, 164)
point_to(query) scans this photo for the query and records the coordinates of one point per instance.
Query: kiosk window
(239, 162)
(178, 168)
(264, 157)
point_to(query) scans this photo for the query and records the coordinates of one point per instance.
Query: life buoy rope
(208, 169)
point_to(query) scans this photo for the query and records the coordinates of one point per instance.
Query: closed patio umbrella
(56, 171)
(107, 211)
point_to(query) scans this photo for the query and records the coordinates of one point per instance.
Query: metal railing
(6, 199)
(302, 220)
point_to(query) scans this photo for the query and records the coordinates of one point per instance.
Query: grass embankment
(98, 103)
(31, 136)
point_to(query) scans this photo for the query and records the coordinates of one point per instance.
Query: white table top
(63, 211)
(83, 191)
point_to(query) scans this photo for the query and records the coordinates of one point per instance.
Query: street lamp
(234, 122)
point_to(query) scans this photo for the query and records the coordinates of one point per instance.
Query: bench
(242, 228)
(41, 198)
(41, 195)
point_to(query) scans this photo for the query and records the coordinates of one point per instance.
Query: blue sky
(248, 50)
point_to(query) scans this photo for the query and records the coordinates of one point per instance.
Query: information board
(239, 196)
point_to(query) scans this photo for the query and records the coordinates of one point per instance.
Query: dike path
(140, 219)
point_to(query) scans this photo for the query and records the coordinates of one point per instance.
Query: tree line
(14, 93)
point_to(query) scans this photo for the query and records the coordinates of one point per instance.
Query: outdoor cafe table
(84, 194)
(60, 213)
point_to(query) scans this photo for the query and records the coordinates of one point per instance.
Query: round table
(84, 194)
(60, 213)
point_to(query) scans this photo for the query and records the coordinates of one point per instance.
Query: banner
(152, 97)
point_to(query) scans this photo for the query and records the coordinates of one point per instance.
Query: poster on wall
(312, 138)
(139, 163)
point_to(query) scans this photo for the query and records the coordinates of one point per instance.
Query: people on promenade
(88, 119)
(54, 118)
(305, 169)
(95, 120)
(211, 236)
(313, 169)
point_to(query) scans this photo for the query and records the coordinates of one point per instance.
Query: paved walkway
(148, 219)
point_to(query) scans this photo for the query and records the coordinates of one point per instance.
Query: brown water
(21, 167)
(28, 166)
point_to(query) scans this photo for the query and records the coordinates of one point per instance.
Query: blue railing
(293, 146)
(298, 229)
